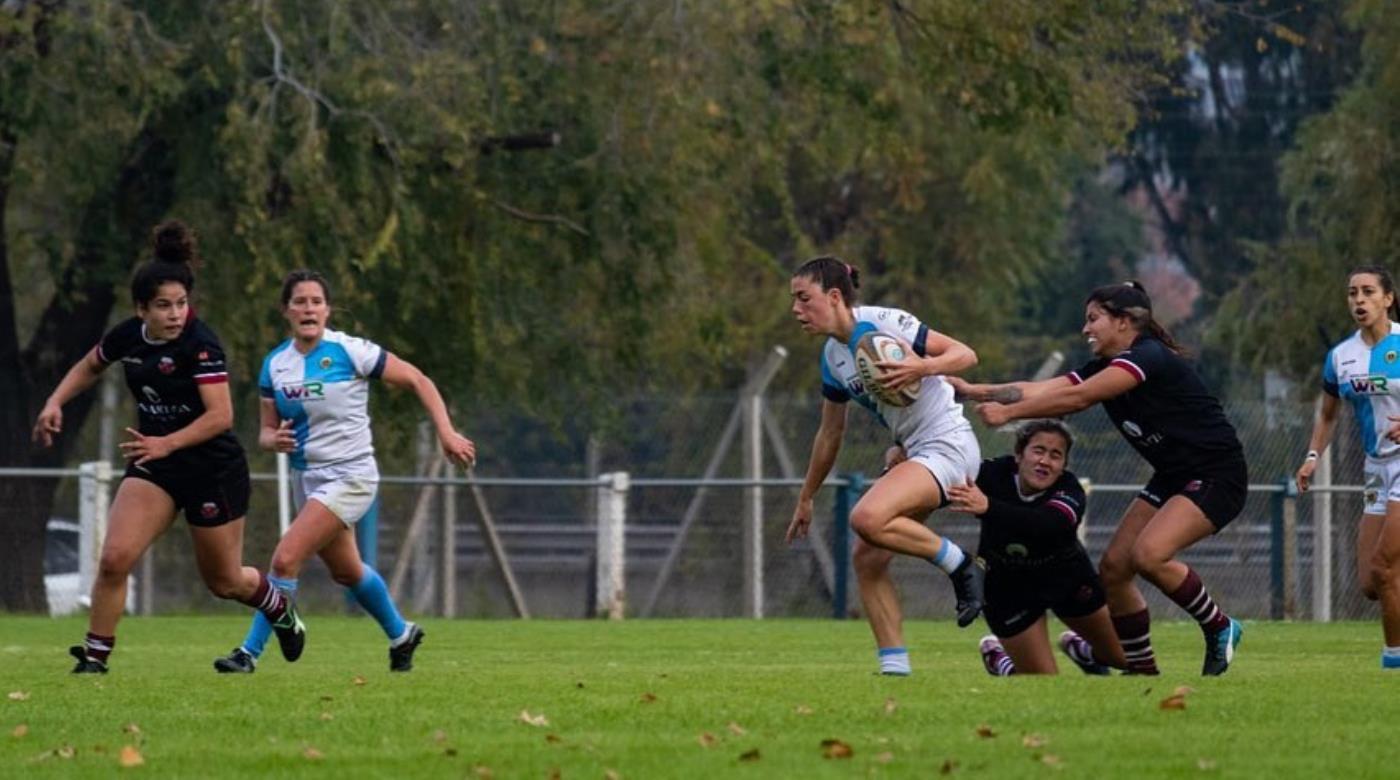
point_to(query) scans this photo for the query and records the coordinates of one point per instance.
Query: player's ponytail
(1387, 285)
(832, 273)
(1130, 300)
(174, 252)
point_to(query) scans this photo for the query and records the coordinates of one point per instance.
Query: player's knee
(1115, 570)
(867, 524)
(226, 586)
(285, 564)
(1148, 559)
(115, 565)
(1384, 570)
(869, 559)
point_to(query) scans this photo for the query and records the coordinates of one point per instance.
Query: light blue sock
(1390, 658)
(373, 595)
(949, 557)
(895, 661)
(256, 641)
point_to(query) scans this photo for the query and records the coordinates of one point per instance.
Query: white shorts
(1382, 484)
(347, 488)
(952, 458)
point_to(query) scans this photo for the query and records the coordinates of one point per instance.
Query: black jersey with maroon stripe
(1170, 417)
(164, 378)
(1028, 531)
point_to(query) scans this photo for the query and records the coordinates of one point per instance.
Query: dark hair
(1387, 285)
(303, 275)
(1028, 431)
(832, 273)
(174, 252)
(1130, 300)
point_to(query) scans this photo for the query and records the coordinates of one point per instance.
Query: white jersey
(932, 415)
(1369, 379)
(325, 394)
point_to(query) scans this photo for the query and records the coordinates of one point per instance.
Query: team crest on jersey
(1370, 496)
(204, 354)
(1192, 486)
(166, 365)
(209, 510)
(1391, 355)
(325, 363)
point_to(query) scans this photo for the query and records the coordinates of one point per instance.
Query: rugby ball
(874, 348)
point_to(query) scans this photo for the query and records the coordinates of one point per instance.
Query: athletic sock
(373, 595)
(1390, 657)
(1134, 631)
(256, 640)
(1191, 595)
(97, 647)
(950, 556)
(895, 661)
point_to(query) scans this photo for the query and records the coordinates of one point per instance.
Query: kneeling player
(1030, 508)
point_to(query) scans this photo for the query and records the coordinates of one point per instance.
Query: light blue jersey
(1369, 379)
(326, 396)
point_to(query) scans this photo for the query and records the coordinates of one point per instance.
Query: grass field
(690, 698)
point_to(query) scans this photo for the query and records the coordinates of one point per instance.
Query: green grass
(1302, 701)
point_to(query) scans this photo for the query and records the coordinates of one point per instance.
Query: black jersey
(164, 377)
(1028, 531)
(1170, 417)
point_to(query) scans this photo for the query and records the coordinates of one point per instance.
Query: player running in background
(1031, 506)
(1364, 370)
(182, 455)
(315, 408)
(1199, 480)
(942, 450)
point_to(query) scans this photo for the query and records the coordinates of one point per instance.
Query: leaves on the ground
(802, 709)
(555, 773)
(130, 757)
(131, 728)
(327, 697)
(835, 748)
(611, 774)
(532, 720)
(20, 730)
(1205, 764)
(359, 680)
(648, 697)
(553, 739)
(1035, 740)
(449, 752)
(325, 716)
(1176, 701)
(750, 755)
(736, 729)
(884, 758)
(439, 736)
(985, 732)
(706, 739)
(482, 772)
(312, 753)
(578, 684)
(19, 695)
(949, 766)
(1050, 759)
(66, 751)
(891, 705)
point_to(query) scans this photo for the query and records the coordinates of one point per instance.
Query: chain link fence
(685, 537)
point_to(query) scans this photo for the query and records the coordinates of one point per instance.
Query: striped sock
(268, 598)
(256, 640)
(1390, 657)
(1191, 596)
(895, 661)
(97, 647)
(950, 556)
(1134, 631)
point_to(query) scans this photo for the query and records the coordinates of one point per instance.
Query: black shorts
(209, 494)
(1017, 597)
(1219, 490)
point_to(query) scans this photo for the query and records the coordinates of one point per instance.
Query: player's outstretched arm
(80, 377)
(1321, 436)
(402, 374)
(1063, 397)
(825, 447)
(1004, 393)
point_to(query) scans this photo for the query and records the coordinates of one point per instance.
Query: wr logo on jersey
(304, 392)
(1376, 384)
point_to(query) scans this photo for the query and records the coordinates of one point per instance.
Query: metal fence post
(846, 496)
(94, 496)
(612, 524)
(1283, 521)
(1322, 539)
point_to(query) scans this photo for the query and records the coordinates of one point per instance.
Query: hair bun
(1136, 285)
(854, 273)
(172, 241)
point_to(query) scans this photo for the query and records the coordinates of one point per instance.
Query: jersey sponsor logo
(306, 391)
(1132, 429)
(150, 394)
(1375, 384)
(164, 410)
(166, 365)
(856, 387)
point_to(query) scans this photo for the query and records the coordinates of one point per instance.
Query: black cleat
(968, 581)
(291, 633)
(240, 661)
(85, 665)
(401, 657)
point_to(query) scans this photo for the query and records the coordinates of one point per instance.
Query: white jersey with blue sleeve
(325, 393)
(1369, 379)
(932, 415)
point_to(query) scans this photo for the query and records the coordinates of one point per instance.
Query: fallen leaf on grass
(359, 680)
(130, 757)
(555, 774)
(611, 774)
(736, 729)
(450, 752)
(578, 684)
(985, 732)
(885, 757)
(707, 739)
(1176, 701)
(648, 697)
(327, 716)
(327, 697)
(750, 755)
(532, 720)
(483, 772)
(891, 705)
(20, 730)
(949, 766)
(131, 728)
(1205, 764)
(802, 709)
(835, 748)
(313, 754)
(1050, 759)
(67, 751)
(19, 695)
(439, 736)
(1035, 741)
